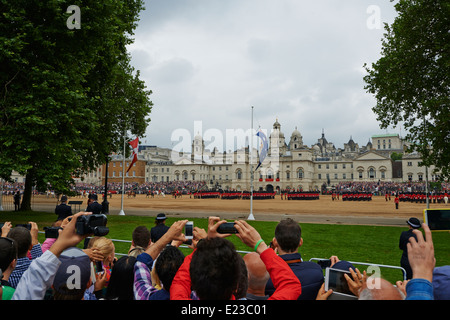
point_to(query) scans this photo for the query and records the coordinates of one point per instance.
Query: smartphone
(188, 230)
(324, 263)
(437, 219)
(99, 267)
(227, 227)
(335, 280)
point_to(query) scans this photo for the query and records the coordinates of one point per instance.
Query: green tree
(396, 156)
(66, 95)
(411, 80)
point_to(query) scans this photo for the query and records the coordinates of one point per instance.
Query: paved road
(301, 218)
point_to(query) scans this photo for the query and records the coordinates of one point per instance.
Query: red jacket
(287, 286)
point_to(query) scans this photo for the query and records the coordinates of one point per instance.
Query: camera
(92, 224)
(25, 225)
(227, 227)
(52, 232)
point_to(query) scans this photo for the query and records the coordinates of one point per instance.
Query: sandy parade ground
(378, 211)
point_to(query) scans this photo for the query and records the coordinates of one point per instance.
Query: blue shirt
(419, 289)
(309, 273)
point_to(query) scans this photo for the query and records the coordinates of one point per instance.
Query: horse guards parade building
(289, 165)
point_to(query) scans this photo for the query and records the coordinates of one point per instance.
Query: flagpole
(122, 213)
(251, 217)
(1, 198)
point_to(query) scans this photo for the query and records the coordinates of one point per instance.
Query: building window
(371, 173)
(300, 173)
(239, 174)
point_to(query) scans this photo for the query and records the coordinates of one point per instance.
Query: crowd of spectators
(383, 187)
(213, 270)
(185, 186)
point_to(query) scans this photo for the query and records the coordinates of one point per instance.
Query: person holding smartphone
(413, 223)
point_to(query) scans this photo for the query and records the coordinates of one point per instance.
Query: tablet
(335, 280)
(437, 219)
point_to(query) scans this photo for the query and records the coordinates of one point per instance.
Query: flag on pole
(135, 145)
(264, 147)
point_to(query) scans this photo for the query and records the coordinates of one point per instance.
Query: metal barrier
(181, 246)
(312, 259)
(371, 264)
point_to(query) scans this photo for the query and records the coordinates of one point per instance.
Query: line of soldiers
(301, 195)
(206, 194)
(231, 195)
(420, 197)
(356, 196)
(258, 195)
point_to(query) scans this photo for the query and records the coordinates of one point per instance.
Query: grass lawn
(367, 244)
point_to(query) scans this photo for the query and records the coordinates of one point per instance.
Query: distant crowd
(189, 187)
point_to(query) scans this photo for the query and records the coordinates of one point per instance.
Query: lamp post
(1, 197)
(105, 203)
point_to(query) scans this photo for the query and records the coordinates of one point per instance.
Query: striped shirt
(142, 286)
(23, 264)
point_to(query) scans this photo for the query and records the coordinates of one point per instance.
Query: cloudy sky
(298, 61)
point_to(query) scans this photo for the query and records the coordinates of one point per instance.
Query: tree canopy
(66, 95)
(411, 81)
